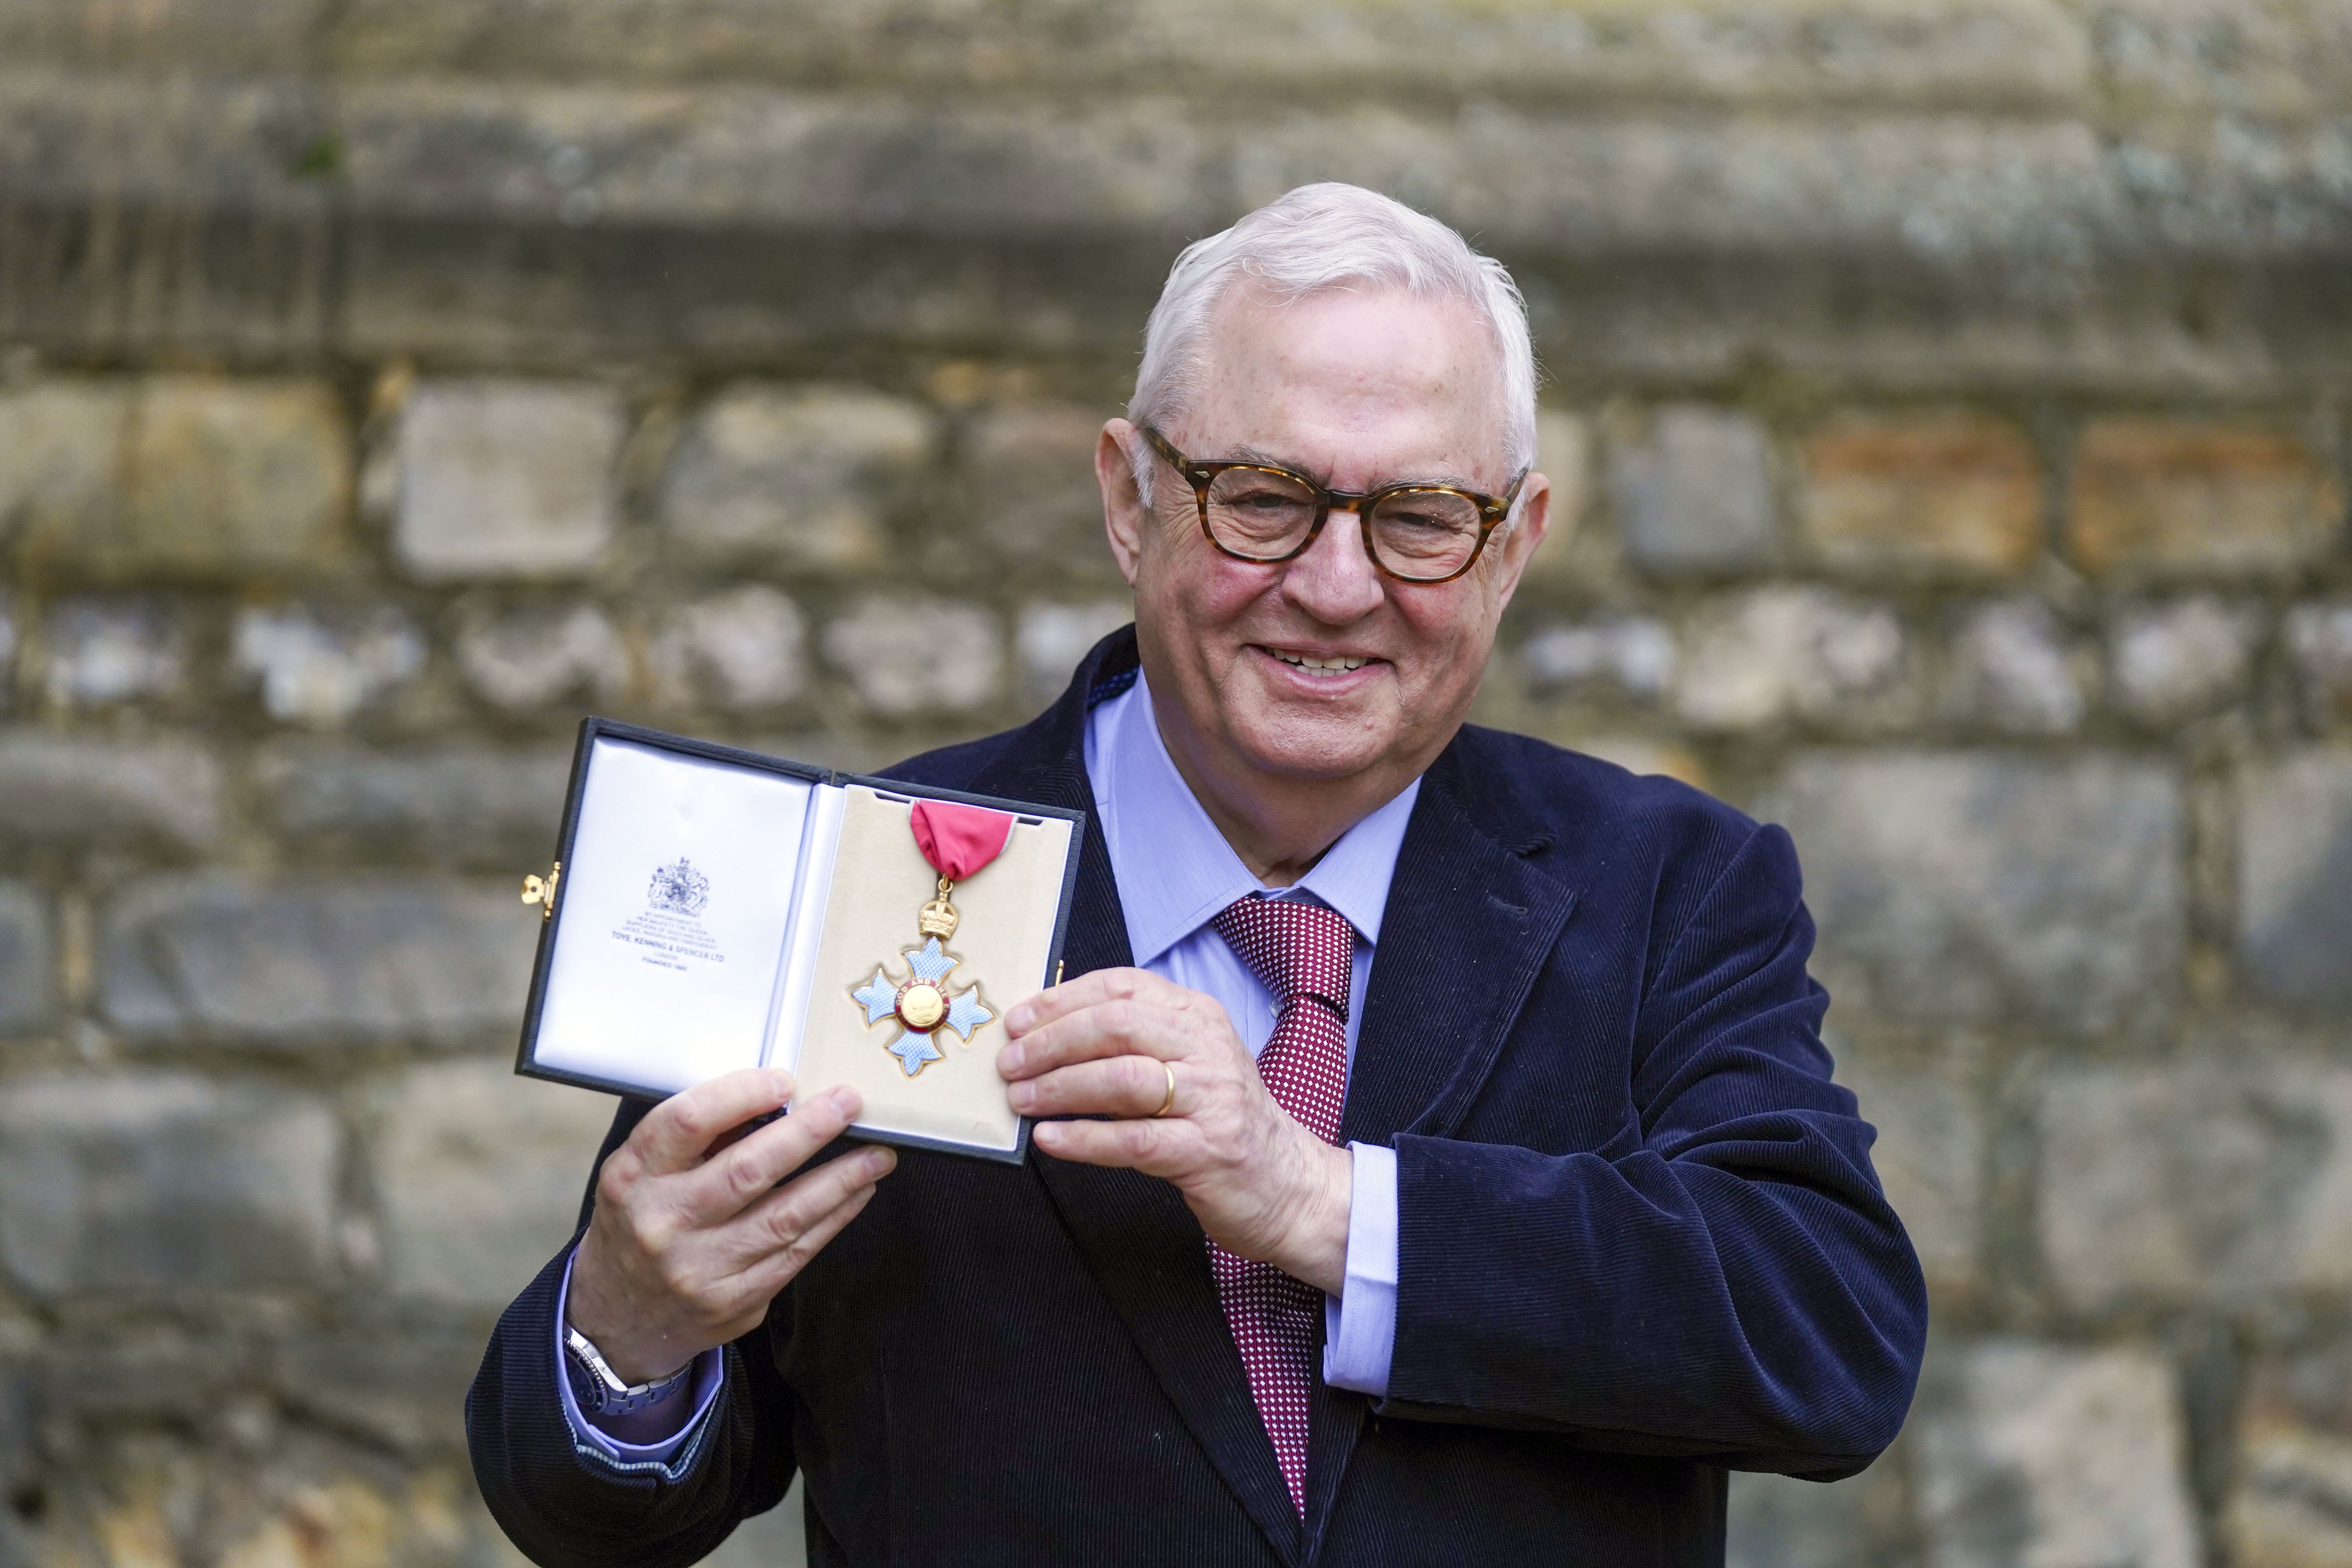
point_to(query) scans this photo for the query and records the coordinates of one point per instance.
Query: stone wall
(1948, 394)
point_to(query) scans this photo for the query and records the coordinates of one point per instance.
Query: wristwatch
(599, 1389)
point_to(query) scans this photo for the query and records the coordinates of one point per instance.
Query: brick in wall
(1952, 494)
(2193, 1183)
(302, 961)
(1971, 889)
(503, 479)
(2033, 1452)
(480, 1174)
(802, 476)
(174, 1181)
(2176, 497)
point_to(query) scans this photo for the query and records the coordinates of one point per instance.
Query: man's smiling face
(1321, 667)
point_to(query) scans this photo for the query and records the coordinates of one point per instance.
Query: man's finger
(676, 1133)
(1090, 989)
(748, 1169)
(772, 1273)
(1137, 1145)
(1114, 1085)
(779, 1219)
(1116, 1026)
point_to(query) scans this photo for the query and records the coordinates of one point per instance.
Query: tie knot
(1294, 947)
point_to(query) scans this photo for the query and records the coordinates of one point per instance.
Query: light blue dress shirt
(1175, 873)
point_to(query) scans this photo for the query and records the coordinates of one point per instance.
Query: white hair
(1324, 237)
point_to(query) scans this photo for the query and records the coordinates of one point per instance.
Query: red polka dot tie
(1304, 954)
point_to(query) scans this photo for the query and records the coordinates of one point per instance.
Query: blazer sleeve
(564, 1507)
(1727, 1283)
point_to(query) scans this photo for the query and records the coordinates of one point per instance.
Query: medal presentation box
(712, 909)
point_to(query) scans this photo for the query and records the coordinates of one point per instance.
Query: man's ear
(1125, 517)
(1526, 535)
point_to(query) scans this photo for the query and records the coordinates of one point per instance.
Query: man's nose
(1335, 581)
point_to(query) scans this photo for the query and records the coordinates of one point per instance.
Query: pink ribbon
(958, 840)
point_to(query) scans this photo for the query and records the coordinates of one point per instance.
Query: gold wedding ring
(1170, 1068)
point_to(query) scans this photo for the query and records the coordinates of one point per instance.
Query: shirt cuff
(1360, 1324)
(634, 1459)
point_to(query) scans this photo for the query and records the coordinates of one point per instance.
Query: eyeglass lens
(1265, 515)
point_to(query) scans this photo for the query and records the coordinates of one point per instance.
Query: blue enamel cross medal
(957, 840)
(922, 1004)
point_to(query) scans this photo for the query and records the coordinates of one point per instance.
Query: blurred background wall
(1949, 393)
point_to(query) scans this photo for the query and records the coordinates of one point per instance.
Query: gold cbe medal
(957, 840)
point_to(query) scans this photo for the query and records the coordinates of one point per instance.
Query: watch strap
(599, 1389)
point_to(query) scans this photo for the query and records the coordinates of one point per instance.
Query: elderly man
(1444, 1168)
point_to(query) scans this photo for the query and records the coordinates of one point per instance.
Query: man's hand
(692, 1237)
(1106, 1044)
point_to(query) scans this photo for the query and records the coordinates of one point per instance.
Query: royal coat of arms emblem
(679, 889)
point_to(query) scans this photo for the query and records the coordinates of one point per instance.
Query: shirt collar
(1176, 872)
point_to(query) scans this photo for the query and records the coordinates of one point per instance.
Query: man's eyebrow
(1267, 459)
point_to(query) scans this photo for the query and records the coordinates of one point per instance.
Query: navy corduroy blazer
(1640, 1243)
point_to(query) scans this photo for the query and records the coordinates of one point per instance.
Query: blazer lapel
(1140, 1242)
(1466, 930)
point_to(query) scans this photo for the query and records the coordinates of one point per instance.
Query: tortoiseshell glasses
(1414, 533)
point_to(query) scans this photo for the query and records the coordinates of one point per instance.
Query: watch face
(587, 1388)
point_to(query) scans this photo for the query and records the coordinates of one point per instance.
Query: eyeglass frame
(1491, 509)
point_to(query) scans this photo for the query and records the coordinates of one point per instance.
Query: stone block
(2177, 497)
(27, 982)
(2214, 57)
(2195, 1183)
(405, 1391)
(61, 458)
(2319, 645)
(2294, 878)
(1964, 889)
(1796, 652)
(1775, 1521)
(84, 792)
(162, 1183)
(2172, 662)
(245, 475)
(97, 652)
(1029, 482)
(1632, 656)
(1635, 753)
(218, 479)
(742, 650)
(1930, 1157)
(322, 664)
(460, 804)
(2033, 1454)
(799, 477)
(1563, 455)
(1052, 638)
(1938, 495)
(504, 478)
(1765, 53)
(1694, 492)
(2291, 1506)
(909, 656)
(534, 655)
(480, 1174)
(308, 959)
(2014, 669)
(326, 1513)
